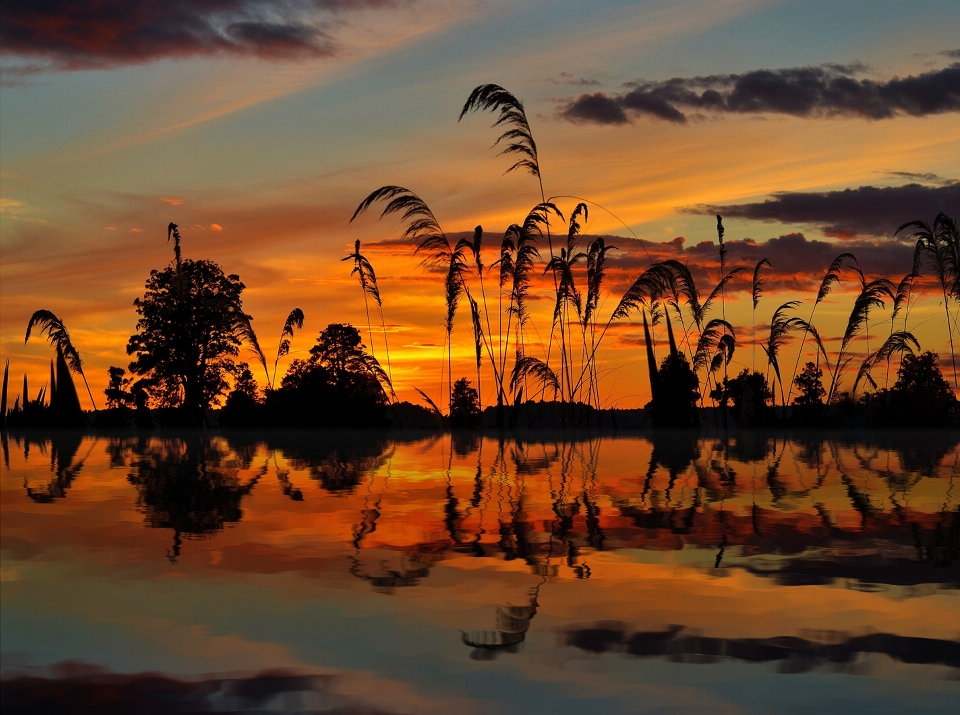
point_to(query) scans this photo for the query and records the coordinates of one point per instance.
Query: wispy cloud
(828, 90)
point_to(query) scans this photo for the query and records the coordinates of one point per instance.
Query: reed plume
(367, 277)
(830, 279)
(871, 296)
(780, 326)
(756, 292)
(517, 134)
(529, 366)
(940, 243)
(243, 328)
(58, 336)
(293, 321)
(898, 342)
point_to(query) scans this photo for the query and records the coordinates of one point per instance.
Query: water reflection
(190, 485)
(793, 654)
(795, 554)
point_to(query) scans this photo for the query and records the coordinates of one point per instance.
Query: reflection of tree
(185, 485)
(339, 464)
(410, 569)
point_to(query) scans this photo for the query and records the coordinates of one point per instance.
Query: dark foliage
(190, 328)
(674, 403)
(921, 397)
(243, 409)
(186, 486)
(339, 387)
(464, 405)
(808, 407)
(749, 397)
(117, 393)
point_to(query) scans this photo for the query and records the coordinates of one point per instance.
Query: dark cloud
(797, 262)
(824, 91)
(65, 34)
(865, 211)
(597, 108)
(951, 53)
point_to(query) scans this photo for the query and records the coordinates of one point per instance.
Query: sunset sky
(258, 128)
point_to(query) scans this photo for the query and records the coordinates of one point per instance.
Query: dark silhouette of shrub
(808, 407)
(674, 403)
(749, 394)
(464, 405)
(243, 410)
(921, 396)
(117, 393)
(340, 386)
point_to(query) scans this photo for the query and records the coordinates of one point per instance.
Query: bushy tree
(339, 386)
(117, 393)
(243, 408)
(190, 329)
(464, 405)
(921, 396)
(808, 407)
(750, 396)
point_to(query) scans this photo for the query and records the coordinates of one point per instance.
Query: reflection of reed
(512, 624)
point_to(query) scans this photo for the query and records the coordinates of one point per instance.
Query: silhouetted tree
(921, 396)
(750, 394)
(340, 386)
(808, 407)
(464, 405)
(243, 409)
(190, 329)
(117, 393)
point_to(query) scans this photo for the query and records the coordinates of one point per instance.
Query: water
(438, 575)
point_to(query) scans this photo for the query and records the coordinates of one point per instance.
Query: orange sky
(261, 159)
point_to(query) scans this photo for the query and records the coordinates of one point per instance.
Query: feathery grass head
(720, 231)
(710, 340)
(536, 369)
(899, 342)
(57, 335)
(294, 320)
(941, 244)
(243, 329)
(517, 135)
(422, 227)
(704, 309)
(758, 282)
(596, 270)
(904, 289)
(645, 290)
(871, 296)
(833, 275)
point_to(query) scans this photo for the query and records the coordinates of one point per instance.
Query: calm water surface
(462, 575)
